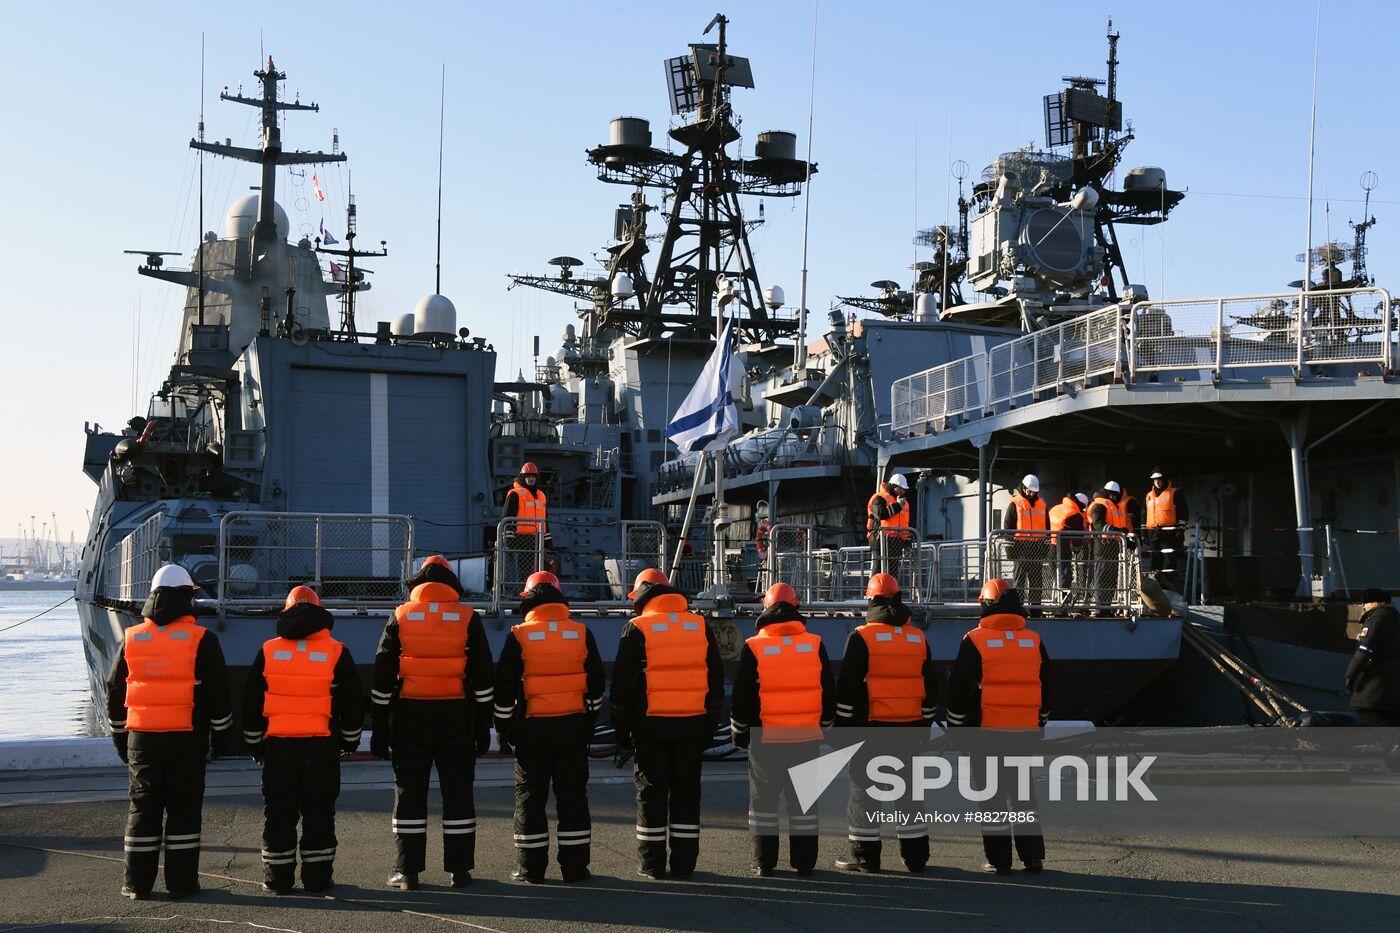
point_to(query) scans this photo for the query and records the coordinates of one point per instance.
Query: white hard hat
(171, 575)
(1031, 481)
(899, 480)
(1157, 474)
(1111, 486)
(1081, 498)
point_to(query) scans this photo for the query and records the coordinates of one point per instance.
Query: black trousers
(768, 782)
(999, 836)
(414, 759)
(1172, 539)
(166, 777)
(863, 823)
(540, 764)
(1029, 561)
(300, 781)
(668, 802)
(1106, 555)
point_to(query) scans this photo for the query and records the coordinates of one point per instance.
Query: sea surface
(43, 674)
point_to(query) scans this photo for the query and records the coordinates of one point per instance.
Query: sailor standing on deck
(1373, 676)
(887, 521)
(888, 680)
(1166, 522)
(549, 689)
(784, 691)
(527, 503)
(1027, 516)
(1109, 519)
(1000, 683)
(667, 689)
(167, 691)
(303, 708)
(432, 707)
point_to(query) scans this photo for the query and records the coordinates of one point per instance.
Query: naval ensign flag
(708, 419)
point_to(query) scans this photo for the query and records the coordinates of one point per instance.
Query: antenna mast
(442, 116)
(200, 247)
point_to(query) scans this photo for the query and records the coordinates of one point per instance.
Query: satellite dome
(435, 314)
(243, 214)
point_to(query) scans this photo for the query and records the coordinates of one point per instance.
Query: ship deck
(60, 865)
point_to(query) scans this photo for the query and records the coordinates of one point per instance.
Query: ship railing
(1068, 572)
(520, 552)
(130, 564)
(351, 560)
(959, 571)
(1285, 330)
(1014, 373)
(826, 575)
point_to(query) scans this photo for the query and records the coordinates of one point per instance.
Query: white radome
(243, 214)
(435, 314)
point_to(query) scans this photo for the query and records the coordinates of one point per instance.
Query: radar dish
(884, 285)
(565, 262)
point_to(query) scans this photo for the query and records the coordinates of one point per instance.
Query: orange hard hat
(882, 584)
(301, 594)
(529, 469)
(993, 590)
(438, 560)
(537, 578)
(780, 593)
(650, 575)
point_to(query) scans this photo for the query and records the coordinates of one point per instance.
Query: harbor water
(44, 691)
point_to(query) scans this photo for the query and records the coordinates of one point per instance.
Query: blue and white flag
(326, 237)
(708, 419)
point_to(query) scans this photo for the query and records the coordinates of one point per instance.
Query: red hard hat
(780, 593)
(537, 578)
(650, 575)
(301, 594)
(882, 584)
(437, 559)
(993, 590)
(529, 469)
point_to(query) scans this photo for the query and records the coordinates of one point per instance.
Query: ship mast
(269, 154)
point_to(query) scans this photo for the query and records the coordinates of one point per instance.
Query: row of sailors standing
(436, 693)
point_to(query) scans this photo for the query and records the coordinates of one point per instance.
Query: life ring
(760, 537)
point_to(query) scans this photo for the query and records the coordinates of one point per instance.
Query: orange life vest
(789, 681)
(532, 510)
(1060, 513)
(1113, 516)
(553, 648)
(1127, 512)
(1030, 517)
(1010, 672)
(677, 649)
(160, 675)
(900, 520)
(433, 637)
(1161, 507)
(894, 682)
(299, 674)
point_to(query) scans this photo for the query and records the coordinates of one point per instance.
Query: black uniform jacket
(212, 707)
(629, 684)
(852, 698)
(746, 712)
(513, 722)
(347, 694)
(1374, 673)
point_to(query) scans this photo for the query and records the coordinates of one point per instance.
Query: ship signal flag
(316, 187)
(326, 237)
(337, 273)
(708, 419)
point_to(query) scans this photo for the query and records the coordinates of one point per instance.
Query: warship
(286, 447)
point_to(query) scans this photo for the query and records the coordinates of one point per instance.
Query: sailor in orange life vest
(888, 679)
(889, 508)
(167, 693)
(667, 690)
(549, 689)
(1070, 550)
(431, 700)
(1107, 515)
(1165, 523)
(526, 501)
(1029, 517)
(786, 691)
(303, 707)
(1000, 682)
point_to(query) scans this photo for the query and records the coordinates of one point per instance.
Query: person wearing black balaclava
(167, 694)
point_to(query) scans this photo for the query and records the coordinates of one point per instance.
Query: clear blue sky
(100, 100)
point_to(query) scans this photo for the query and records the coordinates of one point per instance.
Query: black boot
(404, 880)
(851, 863)
(520, 874)
(460, 879)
